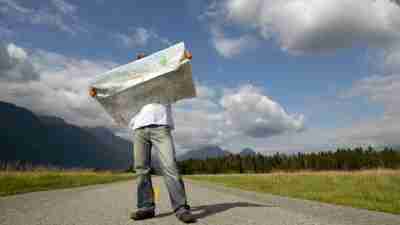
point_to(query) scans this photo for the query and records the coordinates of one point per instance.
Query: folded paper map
(163, 77)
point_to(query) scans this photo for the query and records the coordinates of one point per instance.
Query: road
(110, 204)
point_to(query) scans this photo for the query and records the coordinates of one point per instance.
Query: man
(152, 127)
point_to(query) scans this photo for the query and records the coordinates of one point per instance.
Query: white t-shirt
(153, 113)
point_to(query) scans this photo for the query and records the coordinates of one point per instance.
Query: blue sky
(329, 65)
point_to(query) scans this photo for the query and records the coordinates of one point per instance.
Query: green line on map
(163, 61)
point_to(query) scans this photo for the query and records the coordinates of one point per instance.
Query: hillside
(50, 140)
(209, 151)
(247, 152)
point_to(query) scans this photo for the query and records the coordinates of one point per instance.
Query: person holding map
(139, 95)
(152, 127)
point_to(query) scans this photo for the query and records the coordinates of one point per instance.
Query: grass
(377, 190)
(14, 182)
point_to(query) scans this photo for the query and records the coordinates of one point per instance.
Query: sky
(275, 76)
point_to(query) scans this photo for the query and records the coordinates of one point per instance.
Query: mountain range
(48, 140)
(247, 152)
(209, 151)
(212, 151)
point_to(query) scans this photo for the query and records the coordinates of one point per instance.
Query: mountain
(247, 152)
(107, 137)
(122, 149)
(25, 136)
(22, 136)
(209, 151)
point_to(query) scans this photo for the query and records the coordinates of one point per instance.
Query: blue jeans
(161, 138)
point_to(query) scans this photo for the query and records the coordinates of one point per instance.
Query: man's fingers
(188, 55)
(92, 92)
(140, 55)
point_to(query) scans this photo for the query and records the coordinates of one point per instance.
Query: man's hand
(140, 55)
(187, 55)
(92, 92)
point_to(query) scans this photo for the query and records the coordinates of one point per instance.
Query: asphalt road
(111, 204)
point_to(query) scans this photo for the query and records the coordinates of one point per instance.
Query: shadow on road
(208, 210)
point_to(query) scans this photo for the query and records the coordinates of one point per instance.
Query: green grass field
(22, 182)
(374, 189)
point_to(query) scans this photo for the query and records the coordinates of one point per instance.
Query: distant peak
(247, 151)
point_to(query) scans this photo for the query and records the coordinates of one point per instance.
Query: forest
(341, 159)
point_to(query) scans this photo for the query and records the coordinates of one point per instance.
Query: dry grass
(370, 189)
(310, 172)
(15, 182)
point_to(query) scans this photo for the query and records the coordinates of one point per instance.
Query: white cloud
(256, 115)
(16, 52)
(15, 6)
(64, 7)
(62, 15)
(243, 113)
(389, 62)
(315, 26)
(229, 47)
(204, 101)
(196, 128)
(53, 85)
(139, 37)
(380, 91)
(14, 66)
(382, 131)
(198, 120)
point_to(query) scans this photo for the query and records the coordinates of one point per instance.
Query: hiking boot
(142, 214)
(184, 215)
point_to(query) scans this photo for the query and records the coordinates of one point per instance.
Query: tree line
(341, 159)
